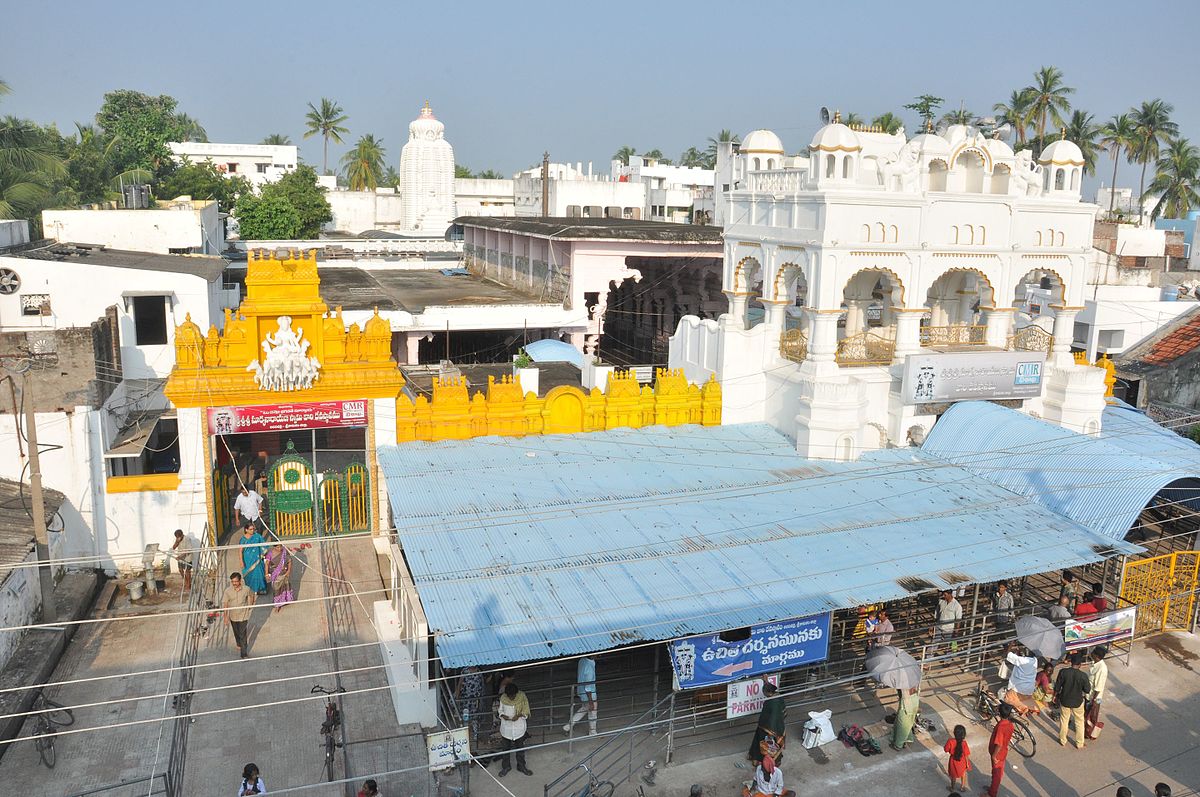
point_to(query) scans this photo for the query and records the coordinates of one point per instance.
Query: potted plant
(525, 372)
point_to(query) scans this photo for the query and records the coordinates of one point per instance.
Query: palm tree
(960, 117)
(1117, 133)
(691, 157)
(328, 122)
(1048, 95)
(363, 165)
(4, 88)
(24, 149)
(391, 177)
(1176, 178)
(1016, 113)
(888, 123)
(852, 120)
(624, 154)
(20, 194)
(1154, 127)
(710, 152)
(1083, 130)
(190, 128)
(278, 140)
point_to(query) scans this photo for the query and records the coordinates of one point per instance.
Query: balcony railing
(1031, 338)
(793, 345)
(865, 348)
(957, 335)
(777, 181)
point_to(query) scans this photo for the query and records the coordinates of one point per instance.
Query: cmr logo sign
(1028, 374)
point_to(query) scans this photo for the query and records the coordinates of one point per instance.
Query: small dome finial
(837, 117)
(1064, 135)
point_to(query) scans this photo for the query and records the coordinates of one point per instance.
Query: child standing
(960, 757)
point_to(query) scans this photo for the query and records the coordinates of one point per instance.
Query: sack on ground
(820, 720)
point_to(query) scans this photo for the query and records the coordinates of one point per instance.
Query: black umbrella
(892, 667)
(1042, 637)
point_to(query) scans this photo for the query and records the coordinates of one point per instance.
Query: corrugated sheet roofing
(1101, 482)
(537, 547)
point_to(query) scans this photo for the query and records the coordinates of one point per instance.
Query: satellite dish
(824, 115)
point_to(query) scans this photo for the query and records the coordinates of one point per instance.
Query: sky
(580, 80)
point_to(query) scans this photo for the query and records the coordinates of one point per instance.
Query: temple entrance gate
(1164, 588)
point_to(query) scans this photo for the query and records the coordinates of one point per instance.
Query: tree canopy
(203, 180)
(270, 217)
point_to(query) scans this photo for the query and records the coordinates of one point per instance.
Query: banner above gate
(285, 417)
(708, 659)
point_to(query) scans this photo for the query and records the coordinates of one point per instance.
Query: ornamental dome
(377, 326)
(931, 145)
(835, 137)
(426, 126)
(761, 141)
(1062, 153)
(998, 149)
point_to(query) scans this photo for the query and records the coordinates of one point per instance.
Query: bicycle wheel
(59, 714)
(1023, 740)
(45, 748)
(603, 788)
(329, 747)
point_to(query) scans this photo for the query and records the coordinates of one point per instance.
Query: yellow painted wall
(145, 483)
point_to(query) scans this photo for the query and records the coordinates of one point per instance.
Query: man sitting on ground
(768, 781)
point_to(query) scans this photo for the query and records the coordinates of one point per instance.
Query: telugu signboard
(1100, 631)
(708, 660)
(743, 698)
(956, 376)
(447, 748)
(284, 417)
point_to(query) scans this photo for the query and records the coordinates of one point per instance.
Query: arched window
(866, 233)
(954, 234)
(829, 163)
(1000, 176)
(882, 232)
(970, 163)
(846, 167)
(895, 233)
(1074, 179)
(937, 175)
(1059, 178)
(1037, 237)
(1061, 238)
(770, 163)
(982, 235)
(756, 164)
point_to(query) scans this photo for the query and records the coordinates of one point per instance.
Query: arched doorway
(563, 412)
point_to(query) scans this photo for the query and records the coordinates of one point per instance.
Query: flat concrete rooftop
(412, 290)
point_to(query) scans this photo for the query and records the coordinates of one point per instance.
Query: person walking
(949, 612)
(998, 748)
(247, 507)
(468, 694)
(960, 757)
(252, 558)
(279, 569)
(1098, 679)
(770, 735)
(585, 690)
(238, 601)
(1070, 688)
(906, 717)
(881, 634)
(184, 549)
(1002, 604)
(514, 716)
(252, 782)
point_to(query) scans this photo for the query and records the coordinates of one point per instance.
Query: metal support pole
(38, 510)
(671, 730)
(654, 701)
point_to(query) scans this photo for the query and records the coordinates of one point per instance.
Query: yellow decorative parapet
(504, 411)
(283, 300)
(145, 483)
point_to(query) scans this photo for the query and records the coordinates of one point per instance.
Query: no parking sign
(744, 698)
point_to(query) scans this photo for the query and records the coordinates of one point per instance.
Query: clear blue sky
(510, 79)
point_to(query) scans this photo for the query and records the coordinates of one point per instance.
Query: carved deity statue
(286, 364)
(901, 172)
(1026, 176)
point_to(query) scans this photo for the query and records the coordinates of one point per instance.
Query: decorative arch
(1058, 241)
(1037, 237)
(565, 406)
(882, 231)
(740, 281)
(1035, 275)
(866, 233)
(937, 174)
(987, 289)
(894, 234)
(984, 156)
(897, 289)
(786, 277)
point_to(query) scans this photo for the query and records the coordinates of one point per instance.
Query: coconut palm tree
(4, 88)
(691, 157)
(1083, 130)
(888, 123)
(1117, 133)
(328, 122)
(391, 177)
(363, 165)
(1177, 179)
(960, 117)
(1016, 113)
(624, 154)
(190, 129)
(710, 152)
(852, 120)
(1049, 98)
(1154, 127)
(278, 140)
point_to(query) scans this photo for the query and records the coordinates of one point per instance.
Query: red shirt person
(1087, 608)
(998, 747)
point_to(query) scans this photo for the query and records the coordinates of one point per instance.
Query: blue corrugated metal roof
(1102, 482)
(538, 547)
(554, 351)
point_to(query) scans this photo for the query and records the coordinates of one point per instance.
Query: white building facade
(178, 226)
(258, 163)
(887, 274)
(679, 194)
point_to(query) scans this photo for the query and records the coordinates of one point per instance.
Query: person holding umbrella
(893, 667)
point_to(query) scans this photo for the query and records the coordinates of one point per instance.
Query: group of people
(1073, 603)
(510, 712)
(260, 564)
(253, 785)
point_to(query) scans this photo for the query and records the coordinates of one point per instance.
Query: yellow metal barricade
(1164, 589)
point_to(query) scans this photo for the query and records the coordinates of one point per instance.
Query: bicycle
(333, 721)
(987, 706)
(595, 787)
(46, 724)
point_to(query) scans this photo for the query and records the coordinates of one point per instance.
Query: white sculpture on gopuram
(286, 364)
(902, 171)
(1026, 175)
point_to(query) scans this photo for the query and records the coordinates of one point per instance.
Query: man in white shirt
(768, 781)
(881, 634)
(184, 548)
(1022, 679)
(1099, 682)
(1002, 602)
(247, 506)
(949, 612)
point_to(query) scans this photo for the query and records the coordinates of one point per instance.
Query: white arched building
(874, 279)
(426, 177)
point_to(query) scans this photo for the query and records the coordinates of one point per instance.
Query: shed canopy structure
(1101, 482)
(533, 548)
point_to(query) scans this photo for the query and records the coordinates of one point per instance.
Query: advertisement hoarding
(708, 659)
(958, 376)
(285, 417)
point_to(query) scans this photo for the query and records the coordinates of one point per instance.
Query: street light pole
(40, 535)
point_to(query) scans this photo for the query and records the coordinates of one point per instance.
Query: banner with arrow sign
(708, 659)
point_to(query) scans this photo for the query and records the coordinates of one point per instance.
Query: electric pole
(40, 535)
(546, 185)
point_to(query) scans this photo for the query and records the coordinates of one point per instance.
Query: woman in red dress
(960, 758)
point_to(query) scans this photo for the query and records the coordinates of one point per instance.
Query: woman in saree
(279, 570)
(771, 734)
(906, 717)
(252, 559)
